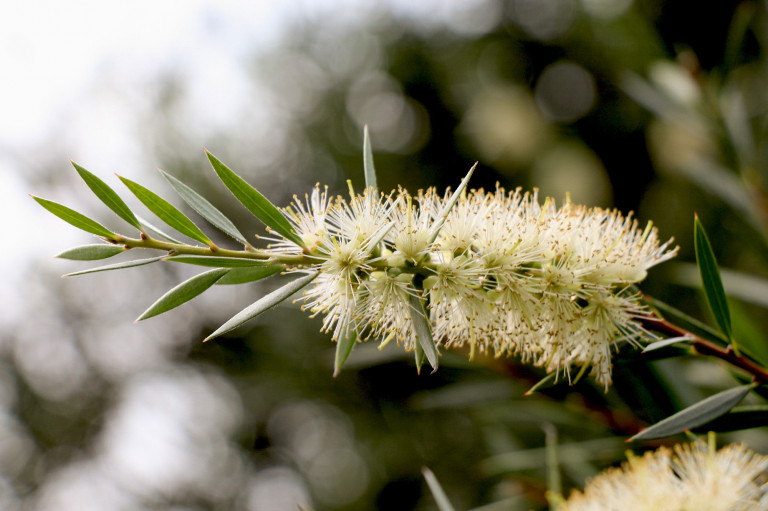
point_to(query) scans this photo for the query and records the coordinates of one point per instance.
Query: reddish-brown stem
(726, 354)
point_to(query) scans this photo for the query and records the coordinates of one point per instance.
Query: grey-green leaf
(91, 252)
(204, 208)
(74, 218)
(117, 266)
(423, 331)
(667, 342)
(184, 292)
(368, 168)
(441, 499)
(343, 349)
(450, 203)
(249, 274)
(108, 196)
(710, 279)
(697, 414)
(254, 201)
(166, 211)
(216, 262)
(263, 304)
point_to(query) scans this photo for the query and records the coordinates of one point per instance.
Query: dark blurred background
(648, 106)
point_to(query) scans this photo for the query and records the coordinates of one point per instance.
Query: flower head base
(499, 272)
(692, 477)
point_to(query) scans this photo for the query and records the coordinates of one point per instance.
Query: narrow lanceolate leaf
(263, 304)
(73, 217)
(108, 196)
(249, 274)
(216, 262)
(450, 203)
(546, 382)
(441, 499)
(368, 168)
(166, 211)
(343, 349)
(184, 292)
(204, 208)
(91, 252)
(423, 331)
(710, 279)
(697, 414)
(118, 266)
(254, 201)
(740, 417)
(667, 342)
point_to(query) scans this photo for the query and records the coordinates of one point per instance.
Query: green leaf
(441, 499)
(544, 383)
(118, 266)
(739, 418)
(166, 211)
(204, 208)
(263, 304)
(254, 201)
(695, 415)
(74, 218)
(249, 274)
(107, 196)
(184, 292)
(419, 357)
(368, 168)
(450, 203)
(423, 331)
(216, 262)
(91, 252)
(710, 279)
(343, 349)
(145, 223)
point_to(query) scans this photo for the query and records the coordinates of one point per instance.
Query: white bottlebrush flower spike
(505, 273)
(692, 477)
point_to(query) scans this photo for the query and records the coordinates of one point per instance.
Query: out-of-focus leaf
(554, 484)
(108, 196)
(263, 304)
(254, 201)
(117, 266)
(183, 293)
(752, 339)
(710, 279)
(249, 274)
(74, 218)
(204, 208)
(343, 349)
(695, 415)
(368, 168)
(166, 211)
(569, 453)
(216, 262)
(441, 499)
(91, 252)
(740, 417)
(450, 203)
(423, 331)
(148, 226)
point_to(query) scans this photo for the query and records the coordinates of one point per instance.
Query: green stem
(183, 249)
